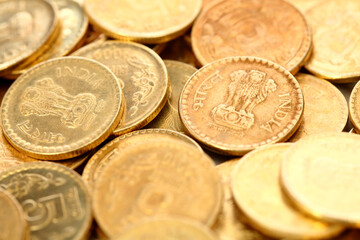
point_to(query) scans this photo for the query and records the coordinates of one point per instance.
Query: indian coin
(179, 50)
(320, 175)
(335, 24)
(237, 104)
(325, 108)
(155, 179)
(354, 107)
(252, 28)
(167, 228)
(12, 218)
(110, 151)
(61, 108)
(168, 118)
(143, 21)
(142, 75)
(267, 209)
(6, 163)
(54, 199)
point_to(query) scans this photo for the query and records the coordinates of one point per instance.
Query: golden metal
(179, 50)
(305, 5)
(354, 107)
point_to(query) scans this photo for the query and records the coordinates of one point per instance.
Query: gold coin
(25, 27)
(237, 104)
(6, 163)
(256, 189)
(320, 175)
(12, 221)
(179, 50)
(167, 228)
(110, 151)
(143, 21)
(325, 108)
(336, 49)
(54, 199)
(252, 28)
(305, 5)
(168, 118)
(142, 75)
(155, 179)
(231, 223)
(354, 107)
(61, 108)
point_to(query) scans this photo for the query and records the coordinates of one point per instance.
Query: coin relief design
(354, 108)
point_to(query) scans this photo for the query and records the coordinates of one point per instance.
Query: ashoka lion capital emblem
(246, 90)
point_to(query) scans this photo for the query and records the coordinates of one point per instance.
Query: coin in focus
(54, 199)
(61, 108)
(237, 104)
(252, 28)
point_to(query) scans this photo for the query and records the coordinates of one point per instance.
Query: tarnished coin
(335, 24)
(252, 28)
(237, 104)
(167, 228)
(354, 107)
(155, 179)
(12, 219)
(143, 21)
(26, 26)
(142, 75)
(320, 174)
(110, 151)
(256, 188)
(168, 118)
(179, 50)
(54, 199)
(325, 108)
(62, 108)
(231, 223)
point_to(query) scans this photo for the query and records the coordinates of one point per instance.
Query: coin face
(155, 179)
(237, 104)
(143, 21)
(25, 26)
(325, 107)
(61, 108)
(319, 173)
(252, 28)
(354, 107)
(54, 199)
(335, 24)
(266, 207)
(168, 118)
(142, 75)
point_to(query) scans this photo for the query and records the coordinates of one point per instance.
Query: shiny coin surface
(325, 108)
(252, 28)
(335, 25)
(320, 175)
(143, 21)
(155, 179)
(142, 75)
(62, 108)
(167, 228)
(256, 188)
(354, 107)
(168, 118)
(237, 104)
(54, 199)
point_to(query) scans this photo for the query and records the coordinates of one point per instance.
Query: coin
(179, 50)
(12, 221)
(320, 175)
(335, 26)
(252, 28)
(267, 209)
(110, 151)
(143, 21)
(6, 163)
(168, 118)
(354, 107)
(54, 199)
(25, 27)
(237, 104)
(158, 178)
(142, 76)
(167, 228)
(325, 108)
(305, 5)
(61, 108)
(231, 223)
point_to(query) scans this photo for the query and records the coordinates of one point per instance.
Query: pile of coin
(115, 113)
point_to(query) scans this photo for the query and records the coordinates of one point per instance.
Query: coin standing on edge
(62, 108)
(237, 104)
(354, 107)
